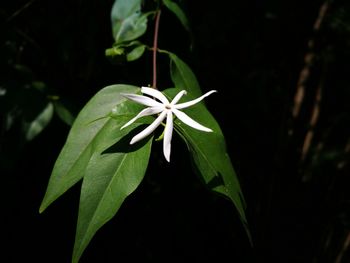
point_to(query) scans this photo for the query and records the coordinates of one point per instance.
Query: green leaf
(115, 51)
(92, 120)
(40, 122)
(182, 76)
(109, 179)
(128, 22)
(125, 51)
(136, 53)
(63, 113)
(208, 151)
(176, 9)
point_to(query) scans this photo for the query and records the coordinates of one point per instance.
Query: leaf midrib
(59, 193)
(213, 169)
(198, 149)
(192, 142)
(92, 140)
(55, 196)
(101, 201)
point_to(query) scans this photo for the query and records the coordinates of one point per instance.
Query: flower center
(168, 107)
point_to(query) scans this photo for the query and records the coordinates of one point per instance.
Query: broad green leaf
(182, 76)
(208, 151)
(176, 9)
(40, 122)
(63, 113)
(128, 22)
(73, 159)
(109, 179)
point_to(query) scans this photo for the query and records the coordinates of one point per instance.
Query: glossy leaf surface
(71, 163)
(115, 170)
(128, 22)
(208, 151)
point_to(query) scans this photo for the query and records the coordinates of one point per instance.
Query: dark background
(253, 52)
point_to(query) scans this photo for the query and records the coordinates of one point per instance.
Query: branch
(155, 47)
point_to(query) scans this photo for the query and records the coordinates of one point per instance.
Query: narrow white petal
(189, 121)
(178, 97)
(168, 133)
(155, 93)
(149, 129)
(141, 99)
(144, 112)
(192, 102)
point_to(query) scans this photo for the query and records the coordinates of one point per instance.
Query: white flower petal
(168, 133)
(149, 129)
(165, 109)
(189, 121)
(178, 97)
(155, 93)
(144, 112)
(192, 102)
(141, 99)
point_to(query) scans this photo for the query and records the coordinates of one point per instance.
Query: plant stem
(155, 47)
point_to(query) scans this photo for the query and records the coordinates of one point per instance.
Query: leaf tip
(42, 208)
(44, 204)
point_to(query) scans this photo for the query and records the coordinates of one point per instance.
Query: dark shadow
(216, 181)
(124, 146)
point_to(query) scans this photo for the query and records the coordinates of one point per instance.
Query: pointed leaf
(128, 22)
(208, 151)
(63, 113)
(74, 157)
(40, 122)
(176, 9)
(182, 76)
(109, 179)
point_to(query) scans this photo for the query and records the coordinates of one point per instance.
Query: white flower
(165, 109)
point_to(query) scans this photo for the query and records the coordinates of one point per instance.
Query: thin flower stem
(155, 47)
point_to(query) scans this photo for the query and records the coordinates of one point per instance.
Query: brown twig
(155, 47)
(313, 120)
(344, 249)
(308, 60)
(20, 10)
